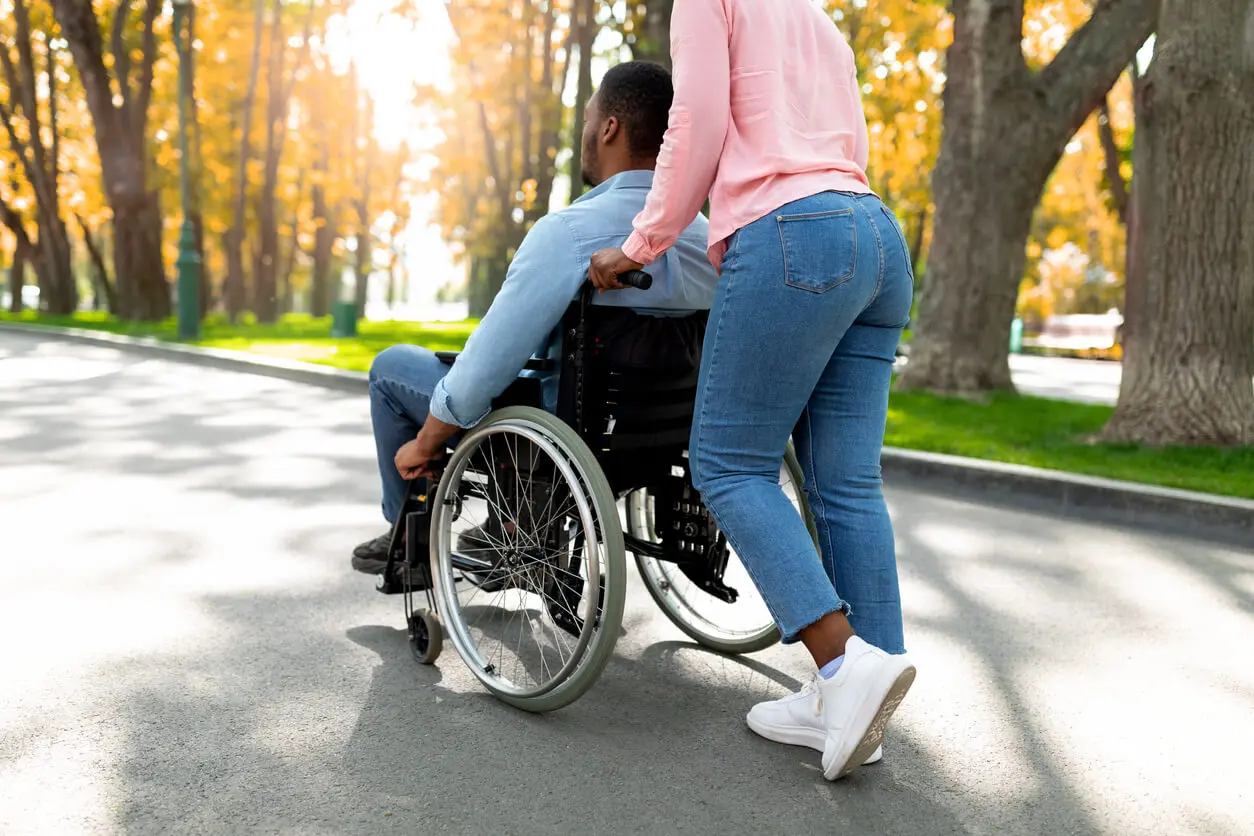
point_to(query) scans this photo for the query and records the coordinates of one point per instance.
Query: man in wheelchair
(418, 402)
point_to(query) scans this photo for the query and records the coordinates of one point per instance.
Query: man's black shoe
(371, 557)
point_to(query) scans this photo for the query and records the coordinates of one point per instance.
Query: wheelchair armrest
(534, 364)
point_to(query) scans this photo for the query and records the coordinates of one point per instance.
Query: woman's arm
(694, 139)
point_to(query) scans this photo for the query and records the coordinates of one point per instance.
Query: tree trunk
(288, 258)
(363, 262)
(1005, 130)
(324, 241)
(22, 252)
(17, 275)
(551, 111)
(137, 253)
(100, 273)
(587, 29)
(1187, 373)
(234, 239)
(916, 244)
(121, 130)
(653, 40)
(39, 163)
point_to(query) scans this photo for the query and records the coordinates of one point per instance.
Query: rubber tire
(600, 495)
(429, 625)
(750, 644)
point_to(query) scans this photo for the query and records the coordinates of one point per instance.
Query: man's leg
(402, 379)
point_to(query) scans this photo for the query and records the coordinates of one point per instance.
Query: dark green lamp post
(189, 258)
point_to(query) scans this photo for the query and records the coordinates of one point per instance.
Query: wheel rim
(691, 607)
(508, 637)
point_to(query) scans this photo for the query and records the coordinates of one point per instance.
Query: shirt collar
(634, 179)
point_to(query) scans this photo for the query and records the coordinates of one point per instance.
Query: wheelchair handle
(638, 279)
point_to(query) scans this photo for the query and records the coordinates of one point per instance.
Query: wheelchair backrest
(629, 380)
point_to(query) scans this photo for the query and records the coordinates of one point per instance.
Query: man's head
(625, 121)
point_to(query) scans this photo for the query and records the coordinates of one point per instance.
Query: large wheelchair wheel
(744, 626)
(524, 513)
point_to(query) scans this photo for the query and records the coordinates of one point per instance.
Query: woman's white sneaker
(857, 703)
(796, 720)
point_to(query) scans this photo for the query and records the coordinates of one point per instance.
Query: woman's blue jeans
(810, 307)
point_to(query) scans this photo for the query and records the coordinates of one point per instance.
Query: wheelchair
(520, 536)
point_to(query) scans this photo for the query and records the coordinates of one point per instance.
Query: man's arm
(543, 278)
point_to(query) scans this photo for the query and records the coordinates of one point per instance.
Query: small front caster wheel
(426, 639)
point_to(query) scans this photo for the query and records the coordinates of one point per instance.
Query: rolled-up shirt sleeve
(697, 128)
(543, 277)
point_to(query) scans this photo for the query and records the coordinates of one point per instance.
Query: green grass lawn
(1021, 430)
(295, 336)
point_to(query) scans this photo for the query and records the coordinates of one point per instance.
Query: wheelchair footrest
(703, 577)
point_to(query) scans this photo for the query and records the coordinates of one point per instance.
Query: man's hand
(415, 457)
(607, 266)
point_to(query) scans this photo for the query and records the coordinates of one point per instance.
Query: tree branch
(1090, 63)
(13, 220)
(25, 91)
(140, 116)
(121, 55)
(54, 170)
(19, 148)
(1114, 174)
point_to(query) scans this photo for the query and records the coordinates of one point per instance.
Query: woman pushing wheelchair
(814, 291)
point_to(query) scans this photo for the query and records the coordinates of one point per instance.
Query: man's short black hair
(638, 94)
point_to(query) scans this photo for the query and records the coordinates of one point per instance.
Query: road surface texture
(185, 650)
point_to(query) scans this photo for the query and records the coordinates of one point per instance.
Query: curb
(219, 358)
(998, 483)
(1074, 495)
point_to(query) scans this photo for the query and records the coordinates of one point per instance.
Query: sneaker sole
(798, 736)
(880, 714)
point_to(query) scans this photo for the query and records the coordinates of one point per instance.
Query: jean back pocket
(820, 249)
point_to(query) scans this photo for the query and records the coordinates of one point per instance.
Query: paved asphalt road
(183, 649)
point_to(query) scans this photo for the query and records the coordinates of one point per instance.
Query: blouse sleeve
(697, 127)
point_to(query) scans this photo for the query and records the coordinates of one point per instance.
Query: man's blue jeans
(810, 307)
(402, 379)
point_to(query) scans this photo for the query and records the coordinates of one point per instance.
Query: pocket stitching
(780, 220)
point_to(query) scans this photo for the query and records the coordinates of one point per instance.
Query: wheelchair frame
(637, 427)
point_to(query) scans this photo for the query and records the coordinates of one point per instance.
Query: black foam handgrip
(638, 279)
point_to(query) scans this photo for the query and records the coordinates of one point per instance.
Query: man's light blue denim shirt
(546, 275)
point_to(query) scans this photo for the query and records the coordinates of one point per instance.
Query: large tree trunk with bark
(137, 255)
(1005, 129)
(121, 138)
(1187, 371)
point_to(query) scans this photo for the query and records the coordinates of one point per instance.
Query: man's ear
(610, 130)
